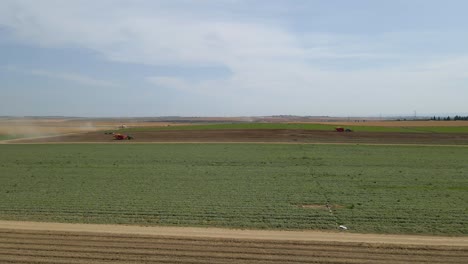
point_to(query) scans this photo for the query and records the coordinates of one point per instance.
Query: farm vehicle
(342, 129)
(122, 137)
(119, 136)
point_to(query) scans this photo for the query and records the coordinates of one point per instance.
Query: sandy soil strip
(240, 234)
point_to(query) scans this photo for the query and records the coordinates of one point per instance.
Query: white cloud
(162, 36)
(304, 89)
(269, 63)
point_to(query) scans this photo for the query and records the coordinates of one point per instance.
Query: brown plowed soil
(265, 135)
(51, 243)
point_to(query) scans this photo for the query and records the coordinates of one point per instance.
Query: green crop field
(18, 136)
(360, 128)
(6, 137)
(383, 189)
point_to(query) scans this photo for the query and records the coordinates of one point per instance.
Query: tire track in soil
(323, 189)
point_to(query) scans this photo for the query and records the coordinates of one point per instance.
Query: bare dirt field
(28, 242)
(42, 126)
(264, 135)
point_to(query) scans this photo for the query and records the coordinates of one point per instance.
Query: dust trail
(12, 128)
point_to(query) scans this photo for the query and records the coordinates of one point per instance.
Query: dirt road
(30, 242)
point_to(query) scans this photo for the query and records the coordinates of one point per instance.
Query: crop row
(369, 188)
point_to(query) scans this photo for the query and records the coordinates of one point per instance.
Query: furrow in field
(225, 246)
(378, 254)
(122, 249)
(192, 258)
(122, 237)
(10, 258)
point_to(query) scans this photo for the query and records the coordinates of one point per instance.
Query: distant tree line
(455, 118)
(460, 118)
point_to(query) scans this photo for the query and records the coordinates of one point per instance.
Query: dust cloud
(24, 127)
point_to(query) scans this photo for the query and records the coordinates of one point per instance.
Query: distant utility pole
(415, 114)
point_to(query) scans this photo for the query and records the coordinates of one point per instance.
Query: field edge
(210, 232)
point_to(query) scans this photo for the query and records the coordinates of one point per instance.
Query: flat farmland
(13, 128)
(259, 136)
(428, 133)
(400, 127)
(369, 189)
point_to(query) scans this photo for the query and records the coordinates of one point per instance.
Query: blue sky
(233, 57)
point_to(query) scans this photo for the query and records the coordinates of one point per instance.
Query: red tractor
(341, 129)
(119, 136)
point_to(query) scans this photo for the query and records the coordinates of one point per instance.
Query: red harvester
(122, 137)
(341, 129)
